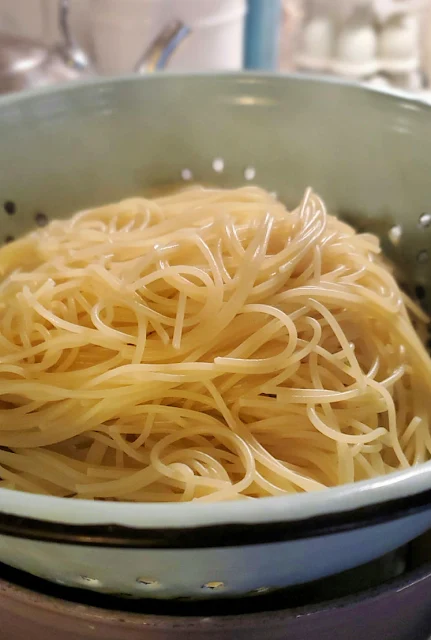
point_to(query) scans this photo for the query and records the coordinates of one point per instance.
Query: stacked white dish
(375, 40)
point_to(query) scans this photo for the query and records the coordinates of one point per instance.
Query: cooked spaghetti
(205, 345)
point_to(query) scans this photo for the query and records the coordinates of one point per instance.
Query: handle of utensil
(63, 22)
(75, 57)
(158, 54)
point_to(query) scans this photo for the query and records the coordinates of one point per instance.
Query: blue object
(262, 34)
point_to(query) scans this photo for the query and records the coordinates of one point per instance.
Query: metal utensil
(26, 63)
(70, 52)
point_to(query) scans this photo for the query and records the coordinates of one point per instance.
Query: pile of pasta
(205, 345)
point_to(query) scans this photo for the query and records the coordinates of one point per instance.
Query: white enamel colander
(368, 154)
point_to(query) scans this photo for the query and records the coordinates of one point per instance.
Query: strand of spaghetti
(179, 320)
(20, 482)
(319, 424)
(243, 451)
(341, 337)
(392, 417)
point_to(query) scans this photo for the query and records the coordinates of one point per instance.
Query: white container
(382, 41)
(123, 29)
(317, 43)
(399, 48)
(356, 47)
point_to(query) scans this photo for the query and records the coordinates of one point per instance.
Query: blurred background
(382, 42)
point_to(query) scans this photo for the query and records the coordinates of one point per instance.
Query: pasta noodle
(205, 345)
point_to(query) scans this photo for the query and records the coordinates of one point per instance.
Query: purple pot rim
(92, 613)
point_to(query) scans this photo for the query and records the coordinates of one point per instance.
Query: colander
(368, 154)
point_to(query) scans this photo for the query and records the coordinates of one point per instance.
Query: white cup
(123, 29)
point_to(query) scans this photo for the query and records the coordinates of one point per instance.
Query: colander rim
(224, 524)
(239, 77)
